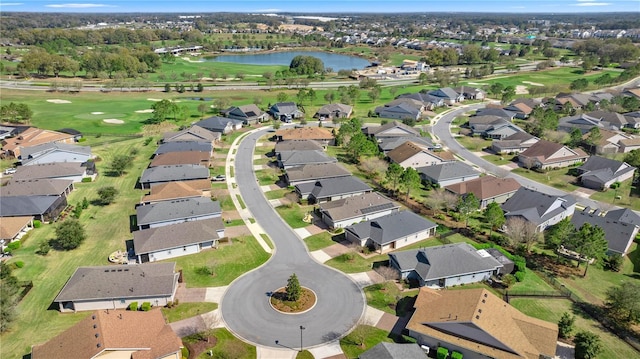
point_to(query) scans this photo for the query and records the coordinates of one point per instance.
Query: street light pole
(301, 329)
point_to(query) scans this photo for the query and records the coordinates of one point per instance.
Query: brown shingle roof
(523, 107)
(176, 190)
(631, 142)
(543, 149)
(316, 171)
(410, 149)
(36, 187)
(298, 145)
(477, 320)
(305, 133)
(110, 331)
(357, 206)
(33, 137)
(485, 187)
(180, 158)
(10, 226)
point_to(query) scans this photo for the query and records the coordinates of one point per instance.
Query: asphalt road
(245, 306)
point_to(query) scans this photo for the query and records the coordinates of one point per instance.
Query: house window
(168, 252)
(122, 301)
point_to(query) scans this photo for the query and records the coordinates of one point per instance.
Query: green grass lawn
(228, 262)
(388, 298)
(531, 282)
(473, 144)
(499, 160)
(319, 241)
(228, 346)
(277, 193)
(559, 178)
(266, 176)
(361, 339)
(187, 310)
(294, 214)
(551, 310)
(234, 222)
(629, 196)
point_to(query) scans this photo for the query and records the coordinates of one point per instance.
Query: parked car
(219, 178)
(10, 171)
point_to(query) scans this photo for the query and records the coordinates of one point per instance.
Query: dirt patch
(57, 101)
(199, 345)
(280, 303)
(237, 231)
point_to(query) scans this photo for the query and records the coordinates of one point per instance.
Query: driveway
(245, 306)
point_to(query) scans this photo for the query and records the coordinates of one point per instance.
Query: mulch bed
(306, 301)
(198, 347)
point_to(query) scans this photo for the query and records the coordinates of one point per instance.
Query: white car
(10, 171)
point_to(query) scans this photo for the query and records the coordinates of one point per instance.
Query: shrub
(145, 307)
(19, 264)
(37, 224)
(14, 245)
(509, 280)
(148, 140)
(613, 262)
(85, 203)
(82, 139)
(520, 276)
(615, 185)
(133, 306)
(43, 249)
(203, 270)
(86, 179)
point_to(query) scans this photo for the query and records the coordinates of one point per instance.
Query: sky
(327, 6)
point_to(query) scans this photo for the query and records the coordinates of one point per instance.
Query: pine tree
(293, 288)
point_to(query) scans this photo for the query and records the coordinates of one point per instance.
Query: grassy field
(319, 241)
(629, 196)
(388, 298)
(559, 178)
(227, 346)
(350, 344)
(294, 214)
(552, 309)
(187, 310)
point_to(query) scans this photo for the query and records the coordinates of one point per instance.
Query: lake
(334, 61)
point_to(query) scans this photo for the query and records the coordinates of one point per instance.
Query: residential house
(504, 131)
(166, 213)
(13, 229)
(221, 125)
(446, 266)
(624, 215)
(182, 158)
(430, 102)
(297, 145)
(248, 114)
(77, 135)
(400, 111)
(155, 175)
(493, 127)
(386, 350)
(285, 111)
(37, 187)
(313, 172)
(548, 155)
(318, 134)
(470, 93)
(117, 286)
(30, 137)
(114, 334)
(633, 119)
(516, 143)
(178, 190)
(74, 171)
(448, 173)
(629, 145)
(192, 134)
(600, 172)
(521, 110)
(612, 118)
(331, 189)
(393, 129)
(619, 235)
(448, 95)
(42, 208)
(184, 146)
(176, 240)
(478, 324)
(333, 111)
(392, 231)
(354, 209)
(576, 100)
(609, 141)
(632, 92)
(6, 131)
(497, 112)
(486, 189)
(539, 208)
(387, 144)
(583, 122)
(54, 152)
(289, 159)
(411, 154)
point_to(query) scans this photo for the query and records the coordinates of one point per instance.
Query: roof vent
(98, 345)
(95, 326)
(93, 317)
(97, 335)
(477, 317)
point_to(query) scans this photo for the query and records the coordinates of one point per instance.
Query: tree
(69, 234)
(521, 231)
(441, 199)
(374, 94)
(588, 345)
(119, 164)
(494, 215)
(15, 112)
(282, 97)
(360, 145)
(593, 138)
(393, 175)
(330, 96)
(589, 241)
(575, 137)
(508, 94)
(623, 303)
(496, 89)
(565, 325)
(306, 65)
(467, 204)
(557, 234)
(107, 194)
(633, 158)
(423, 78)
(163, 109)
(410, 180)
(579, 84)
(203, 108)
(293, 288)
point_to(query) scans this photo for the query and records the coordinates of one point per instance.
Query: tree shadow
(331, 336)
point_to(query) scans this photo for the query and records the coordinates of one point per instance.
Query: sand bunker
(521, 90)
(154, 99)
(145, 111)
(113, 121)
(532, 83)
(58, 101)
(474, 83)
(97, 113)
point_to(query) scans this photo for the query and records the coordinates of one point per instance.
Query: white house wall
(467, 279)
(421, 159)
(407, 240)
(181, 220)
(118, 303)
(347, 222)
(458, 180)
(174, 252)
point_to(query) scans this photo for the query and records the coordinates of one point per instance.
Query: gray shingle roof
(316, 171)
(36, 187)
(618, 234)
(218, 124)
(49, 170)
(624, 215)
(298, 145)
(174, 173)
(194, 131)
(357, 206)
(379, 131)
(535, 206)
(394, 351)
(446, 171)
(450, 260)
(402, 109)
(298, 158)
(39, 150)
(176, 210)
(284, 108)
(119, 281)
(603, 169)
(25, 205)
(389, 228)
(184, 146)
(330, 187)
(387, 144)
(445, 92)
(176, 235)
